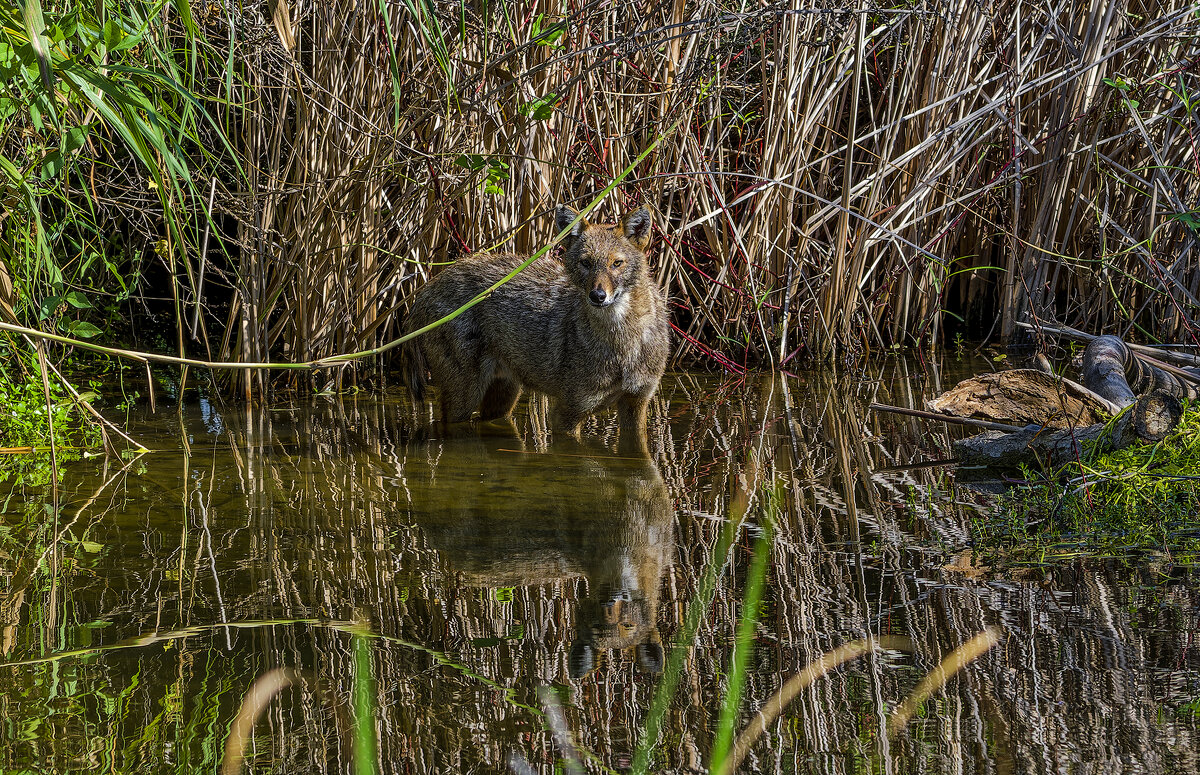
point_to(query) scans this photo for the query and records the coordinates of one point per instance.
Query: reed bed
(832, 178)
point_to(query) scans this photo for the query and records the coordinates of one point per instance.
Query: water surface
(134, 618)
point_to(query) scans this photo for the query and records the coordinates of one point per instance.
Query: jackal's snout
(601, 282)
(605, 260)
(604, 291)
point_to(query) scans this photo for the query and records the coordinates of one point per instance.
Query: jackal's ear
(563, 216)
(636, 226)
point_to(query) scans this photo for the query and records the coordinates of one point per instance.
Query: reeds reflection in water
(484, 568)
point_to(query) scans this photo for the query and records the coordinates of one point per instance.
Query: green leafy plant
(1119, 504)
(540, 109)
(545, 32)
(27, 422)
(494, 169)
(89, 99)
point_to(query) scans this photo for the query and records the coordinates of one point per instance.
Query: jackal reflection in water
(513, 519)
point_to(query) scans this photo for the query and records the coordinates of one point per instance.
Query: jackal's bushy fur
(590, 331)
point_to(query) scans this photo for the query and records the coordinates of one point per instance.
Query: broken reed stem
(772, 708)
(957, 660)
(830, 661)
(985, 424)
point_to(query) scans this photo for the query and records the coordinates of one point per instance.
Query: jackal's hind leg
(568, 418)
(459, 401)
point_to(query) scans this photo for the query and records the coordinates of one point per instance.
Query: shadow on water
(134, 620)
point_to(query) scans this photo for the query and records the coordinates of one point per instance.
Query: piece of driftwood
(1149, 419)
(1111, 369)
(1024, 397)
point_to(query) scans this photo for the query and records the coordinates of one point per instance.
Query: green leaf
(540, 109)
(52, 164)
(497, 171)
(10, 63)
(1190, 219)
(549, 35)
(82, 329)
(78, 300)
(48, 306)
(73, 139)
(471, 161)
(114, 35)
(91, 546)
(68, 23)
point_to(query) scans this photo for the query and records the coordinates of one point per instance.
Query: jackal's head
(604, 259)
(620, 621)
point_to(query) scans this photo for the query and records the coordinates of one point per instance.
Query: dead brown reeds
(845, 176)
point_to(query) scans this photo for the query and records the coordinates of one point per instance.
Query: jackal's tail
(414, 371)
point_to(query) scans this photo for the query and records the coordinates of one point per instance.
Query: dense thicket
(830, 177)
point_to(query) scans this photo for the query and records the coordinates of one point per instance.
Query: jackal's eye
(617, 264)
(585, 263)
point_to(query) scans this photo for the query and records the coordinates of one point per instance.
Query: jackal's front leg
(632, 410)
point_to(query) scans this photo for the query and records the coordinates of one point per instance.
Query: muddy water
(136, 614)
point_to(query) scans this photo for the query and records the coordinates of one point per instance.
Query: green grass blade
(744, 645)
(365, 701)
(35, 27)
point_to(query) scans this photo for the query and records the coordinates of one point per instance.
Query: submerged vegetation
(1143, 498)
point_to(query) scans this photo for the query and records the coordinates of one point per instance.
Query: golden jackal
(589, 332)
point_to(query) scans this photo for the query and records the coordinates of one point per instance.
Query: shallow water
(483, 568)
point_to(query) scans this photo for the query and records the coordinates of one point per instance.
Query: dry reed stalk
(773, 707)
(955, 661)
(254, 704)
(844, 175)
